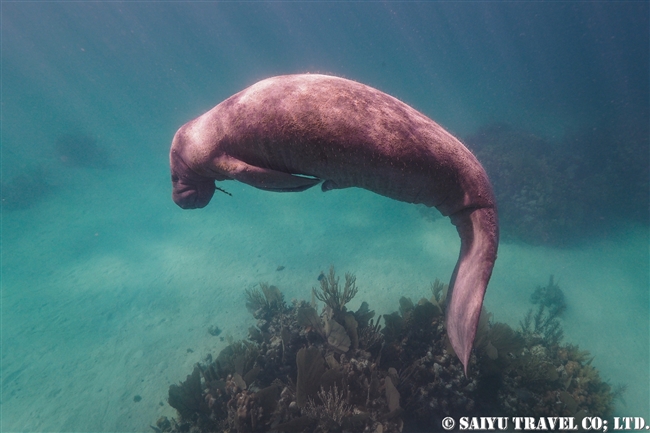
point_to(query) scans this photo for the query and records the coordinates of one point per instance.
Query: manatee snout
(189, 190)
(190, 194)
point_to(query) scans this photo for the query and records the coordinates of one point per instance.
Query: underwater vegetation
(339, 370)
(80, 150)
(551, 297)
(24, 189)
(558, 192)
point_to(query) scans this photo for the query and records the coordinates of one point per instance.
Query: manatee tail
(479, 240)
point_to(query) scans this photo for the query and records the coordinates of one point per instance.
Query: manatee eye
(174, 178)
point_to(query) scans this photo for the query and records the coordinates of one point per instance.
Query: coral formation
(548, 377)
(301, 371)
(560, 191)
(270, 299)
(534, 192)
(550, 296)
(214, 330)
(332, 295)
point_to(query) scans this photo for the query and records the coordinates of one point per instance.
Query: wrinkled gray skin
(289, 133)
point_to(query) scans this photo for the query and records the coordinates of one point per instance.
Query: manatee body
(289, 133)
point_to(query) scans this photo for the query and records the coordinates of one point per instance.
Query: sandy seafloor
(109, 288)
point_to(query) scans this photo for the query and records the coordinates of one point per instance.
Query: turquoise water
(106, 283)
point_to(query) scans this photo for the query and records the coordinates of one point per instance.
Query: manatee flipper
(479, 234)
(263, 178)
(329, 185)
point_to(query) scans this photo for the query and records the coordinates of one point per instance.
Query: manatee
(292, 132)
